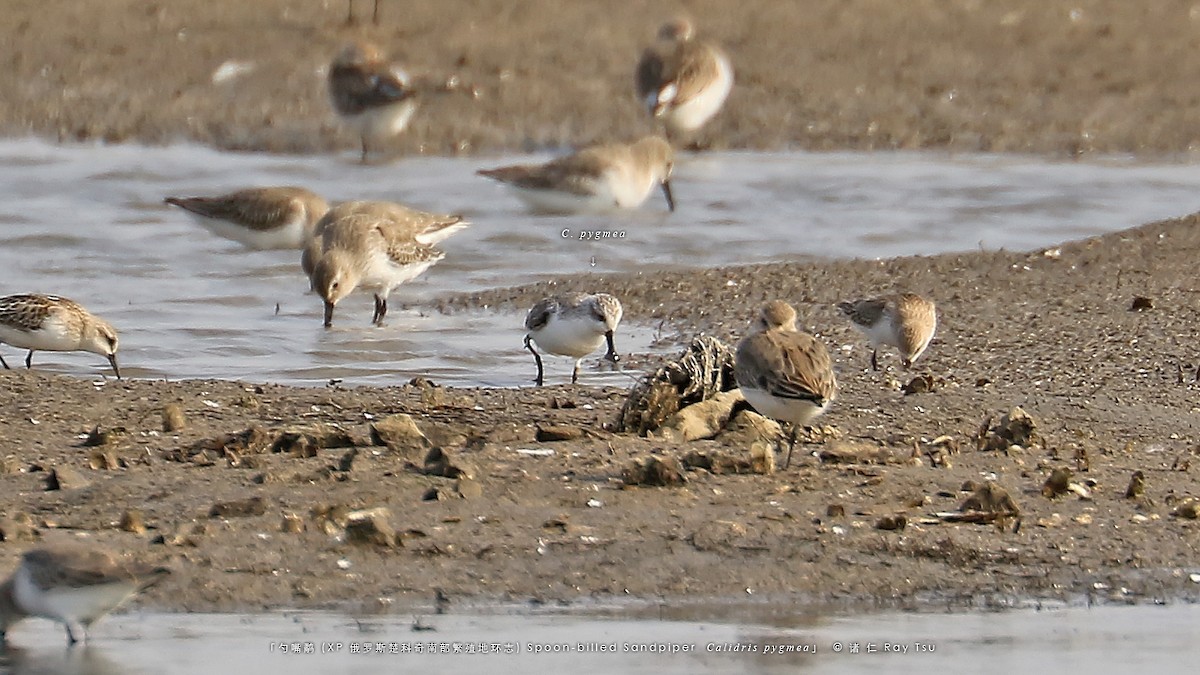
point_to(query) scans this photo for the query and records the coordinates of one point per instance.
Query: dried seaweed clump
(703, 370)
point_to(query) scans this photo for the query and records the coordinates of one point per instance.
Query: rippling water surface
(88, 222)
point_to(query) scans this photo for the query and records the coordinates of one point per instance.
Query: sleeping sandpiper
(783, 373)
(372, 96)
(258, 218)
(683, 82)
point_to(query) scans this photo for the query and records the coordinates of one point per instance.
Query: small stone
(400, 434)
(1137, 486)
(549, 433)
(835, 511)
(892, 523)
(132, 521)
(10, 465)
(292, 524)
(18, 527)
(1141, 303)
(469, 488)
(1188, 508)
(172, 418)
(432, 495)
(1057, 484)
(1083, 519)
(704, 419)
(438, 462)
(103, 460)
(371, 526)
(98, 437)
(66, 478)
(655, 472)
(242, 508)
(1051, 521)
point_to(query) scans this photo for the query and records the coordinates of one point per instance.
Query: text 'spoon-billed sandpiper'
(906, 321)
(372, 96)
(54, 324)
(683, 82)
(783, 373)
(258, 218)
(572, 325)
(72, 584)
(595, 179)
(373, 246)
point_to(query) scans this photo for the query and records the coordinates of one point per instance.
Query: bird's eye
(335, 285)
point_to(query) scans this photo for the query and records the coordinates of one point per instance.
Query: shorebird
(51, 323)
(906, 321)
(370, 95)
(784, 374)
(572, 325)
(683, 82)
(374, 246)
(598, 178)
(72, 584)
(258, 218)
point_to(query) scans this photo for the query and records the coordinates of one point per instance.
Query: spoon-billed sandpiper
(572, 325)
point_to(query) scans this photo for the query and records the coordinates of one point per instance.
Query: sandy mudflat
(1112, 391)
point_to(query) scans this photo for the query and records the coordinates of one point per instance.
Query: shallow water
(760, 638)
(88, 222)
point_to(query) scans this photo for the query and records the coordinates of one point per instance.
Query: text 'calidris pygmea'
(683, 82)
(72, 584)
(375, 246)
(572, 325)
(54, 324)
(783, 373)
(370, 95)
(906, 321)
(258, 218)
(598, 178)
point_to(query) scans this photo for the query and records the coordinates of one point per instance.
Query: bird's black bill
(612, 354)
(666, 188)
(328, 314)
(112, 361)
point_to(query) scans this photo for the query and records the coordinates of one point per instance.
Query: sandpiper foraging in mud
(906, 321)
(573, 325)
(55, 324)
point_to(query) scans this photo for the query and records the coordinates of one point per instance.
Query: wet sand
(1112, 390)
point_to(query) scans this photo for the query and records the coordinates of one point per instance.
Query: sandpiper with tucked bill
(784, 374)
(55, 324)
(258, 218)
(682, 81)
(73, 584)
(573, 325)
(906, 321)
(373, 97)
(375, 246)
(596, 179)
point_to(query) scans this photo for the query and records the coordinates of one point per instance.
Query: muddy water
(88, 222)
(758, 638)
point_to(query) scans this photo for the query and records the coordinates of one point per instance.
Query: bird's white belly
(561, 201)
(383, 275)
(290, 234)
(796, 411)
(53, 336)
(84, 603)
(572, 337)
(384, 121)
(694, 113)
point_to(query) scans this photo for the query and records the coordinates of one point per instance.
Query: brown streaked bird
(54, 324)
(372, 96)
(73, 584)
(258, 218)
(595, 179)
(374, 246)
(574, 325)
(906, 321)
(683, 82)
(783, 373)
